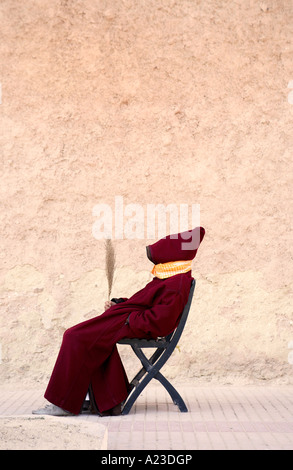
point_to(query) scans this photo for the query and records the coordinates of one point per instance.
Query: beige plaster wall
(157, 101)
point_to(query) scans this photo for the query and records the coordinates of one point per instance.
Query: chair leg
(152, 369)
(134, 394)
(177, 399)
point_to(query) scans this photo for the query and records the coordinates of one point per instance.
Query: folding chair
(164, 348)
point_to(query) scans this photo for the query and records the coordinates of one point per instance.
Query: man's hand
(108, 304)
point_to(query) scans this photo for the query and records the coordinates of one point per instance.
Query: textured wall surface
(157, 101)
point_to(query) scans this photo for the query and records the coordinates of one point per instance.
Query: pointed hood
(177, 247)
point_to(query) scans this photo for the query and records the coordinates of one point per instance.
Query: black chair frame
(151, 367)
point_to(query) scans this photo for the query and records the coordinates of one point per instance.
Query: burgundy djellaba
(88, 356)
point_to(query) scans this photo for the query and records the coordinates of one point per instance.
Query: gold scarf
(164, 270)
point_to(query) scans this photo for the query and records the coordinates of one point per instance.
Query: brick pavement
(219, 417)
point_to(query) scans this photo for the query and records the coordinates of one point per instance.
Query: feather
(110, 264)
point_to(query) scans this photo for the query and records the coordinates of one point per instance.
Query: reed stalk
(110, 264)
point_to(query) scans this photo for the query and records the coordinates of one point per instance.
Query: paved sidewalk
(219, 417)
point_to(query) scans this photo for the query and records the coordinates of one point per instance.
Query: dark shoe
(116, 411)
(94, 408)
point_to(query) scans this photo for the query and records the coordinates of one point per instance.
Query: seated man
(88, 358)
